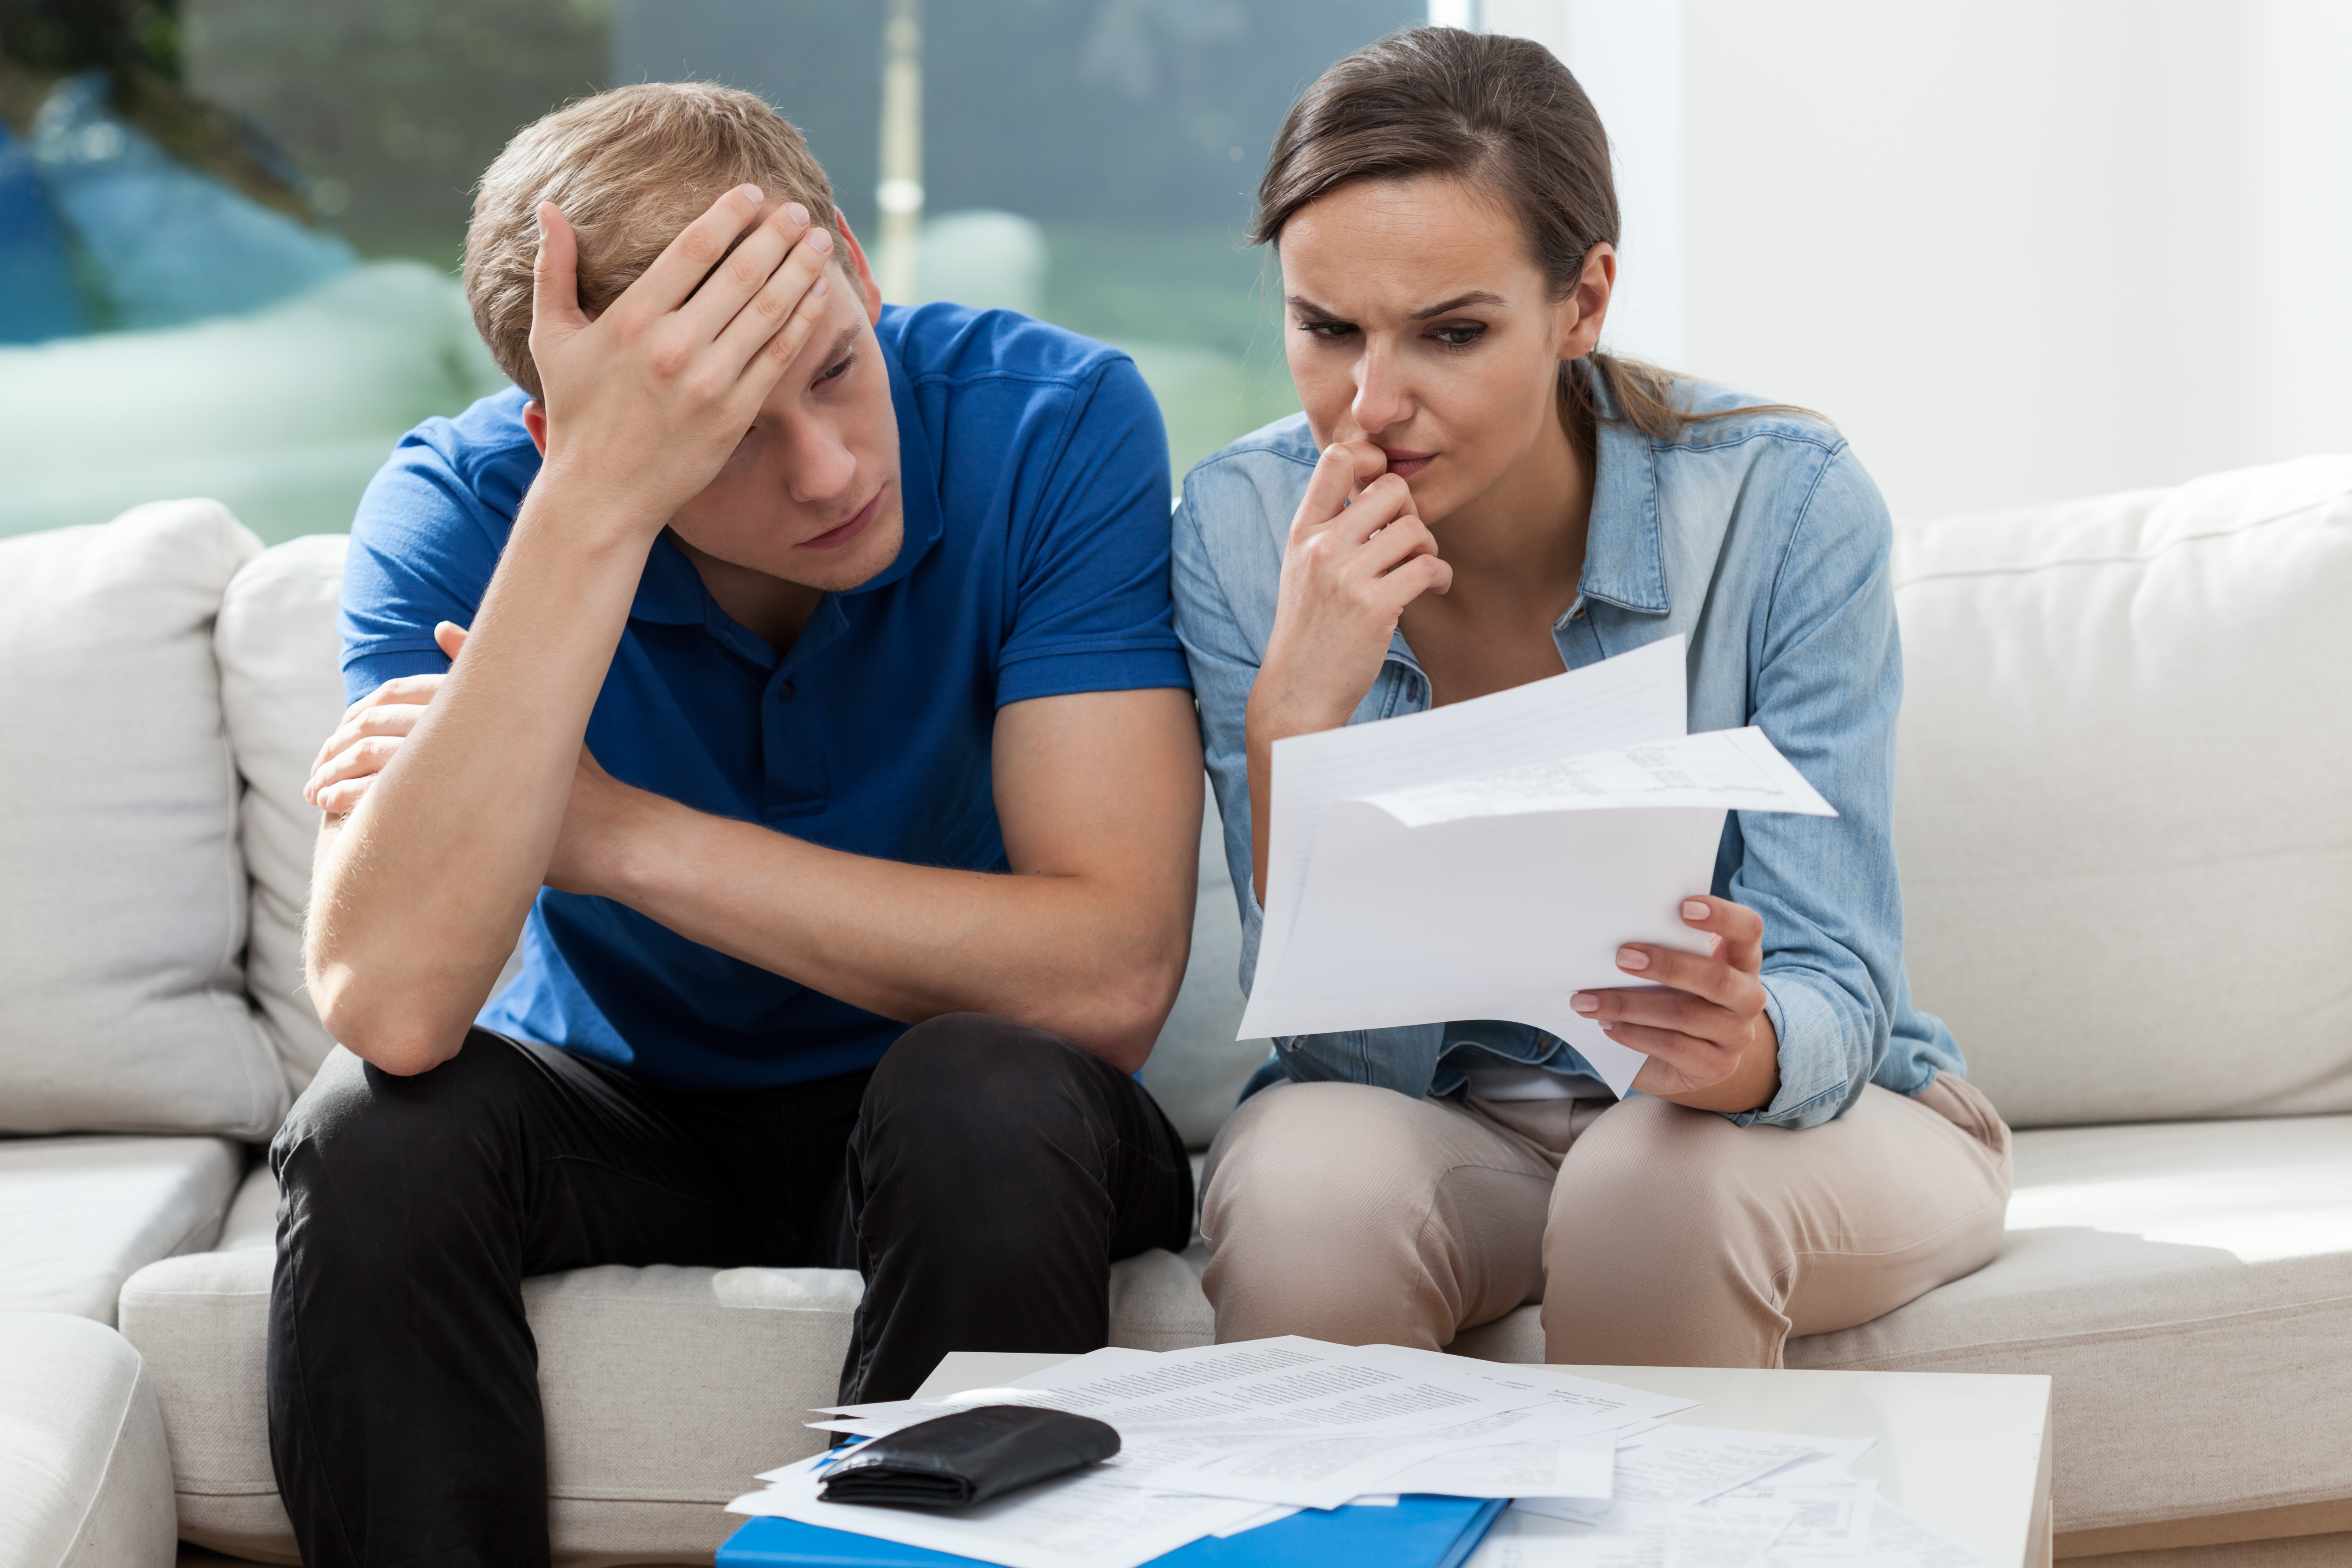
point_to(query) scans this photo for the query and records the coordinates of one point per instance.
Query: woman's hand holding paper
(1711, 1044)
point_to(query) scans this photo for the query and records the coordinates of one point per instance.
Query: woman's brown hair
(1498, 113)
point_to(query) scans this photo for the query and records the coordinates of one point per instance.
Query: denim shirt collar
(1624, 561)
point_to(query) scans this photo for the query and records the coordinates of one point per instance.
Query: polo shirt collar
(671, 592)
(1624, 561)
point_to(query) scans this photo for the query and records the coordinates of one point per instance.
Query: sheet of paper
(1829, 1466)
(1721, 1534)
(1264, 1516)
(1080, 1520)
(1739, 769)
(1544, 1467)
(1895, 1539)
(1415, 904)
(1605, 1406)
(1635, 699)
(1832, 1519)
(1279, 1421)
(1692, 1464)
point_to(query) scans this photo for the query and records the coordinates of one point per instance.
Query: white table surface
(1968, 1452)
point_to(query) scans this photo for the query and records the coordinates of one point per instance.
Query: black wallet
(967, 1457)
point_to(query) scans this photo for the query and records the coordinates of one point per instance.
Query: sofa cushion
(84, 1478)
(281, 695)
(1197, 1066)
(2188, 1288)
(2120, 796)
(666, 1389)
(80, 1216)
(122, 1002)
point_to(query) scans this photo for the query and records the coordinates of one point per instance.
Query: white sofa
(2122, 790)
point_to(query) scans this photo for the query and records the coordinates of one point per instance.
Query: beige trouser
(1654, 1235)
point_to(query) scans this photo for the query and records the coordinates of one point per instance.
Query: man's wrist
(593, 511)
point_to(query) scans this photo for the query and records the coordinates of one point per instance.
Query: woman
(1475, 498)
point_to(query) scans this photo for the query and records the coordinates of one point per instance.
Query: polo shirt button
(786, 692)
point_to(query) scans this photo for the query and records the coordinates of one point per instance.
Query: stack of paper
(1225, 1439)
(1429, 823)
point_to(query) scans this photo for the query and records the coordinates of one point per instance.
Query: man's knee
(975, 1082)
(357, 1134)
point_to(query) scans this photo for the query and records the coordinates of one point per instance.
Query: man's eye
(837, 371)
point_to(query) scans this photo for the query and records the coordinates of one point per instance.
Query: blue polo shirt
(1035, 472)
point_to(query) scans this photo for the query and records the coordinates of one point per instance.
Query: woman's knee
(1316, 1160)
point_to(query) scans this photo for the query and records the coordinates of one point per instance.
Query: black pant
(982, 1178)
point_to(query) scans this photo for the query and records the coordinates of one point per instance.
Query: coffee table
(1967, 1452)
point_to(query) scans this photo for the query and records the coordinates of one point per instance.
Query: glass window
(229, 228)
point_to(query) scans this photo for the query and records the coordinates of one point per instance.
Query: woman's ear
(1588, 302)
(860, 273)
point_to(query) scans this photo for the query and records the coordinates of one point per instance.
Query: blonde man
(790, 625)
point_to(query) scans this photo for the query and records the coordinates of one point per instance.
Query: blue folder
(1418, 1532)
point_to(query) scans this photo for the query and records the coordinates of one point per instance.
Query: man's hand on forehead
(644, 402)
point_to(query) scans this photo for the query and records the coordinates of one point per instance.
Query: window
(232, 227)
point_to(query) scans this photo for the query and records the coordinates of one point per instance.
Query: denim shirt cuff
(1815, 1077)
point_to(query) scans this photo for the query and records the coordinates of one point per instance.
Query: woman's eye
(1328, 331)
(1460, 337)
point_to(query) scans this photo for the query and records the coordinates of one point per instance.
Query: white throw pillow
(282, 694)
(2123, 783)
(123, 1004)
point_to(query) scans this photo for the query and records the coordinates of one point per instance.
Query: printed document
(1486, 859)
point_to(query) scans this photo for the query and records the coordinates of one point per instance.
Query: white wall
(2018, 249)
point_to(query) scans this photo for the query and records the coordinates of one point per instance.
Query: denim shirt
(1758, 538)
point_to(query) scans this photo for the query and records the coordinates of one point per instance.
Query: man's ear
(860, 273)
(534, 419)
(1588, 303)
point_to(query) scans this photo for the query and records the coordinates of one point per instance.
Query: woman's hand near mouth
(1350, 568)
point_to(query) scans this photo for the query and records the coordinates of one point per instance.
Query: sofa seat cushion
(80, 1215)
(2187, 1287)
(84, 1478)
(666, 1390)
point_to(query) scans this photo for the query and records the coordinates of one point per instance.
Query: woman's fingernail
(757, 195)
(1632, 958)
(1607, 1028)
(820, 242)
(818, 289)
(1585, 1002)
(1694, 909)
(797, 212)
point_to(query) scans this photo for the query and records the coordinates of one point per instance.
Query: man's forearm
(419, 895)
(1093, 963)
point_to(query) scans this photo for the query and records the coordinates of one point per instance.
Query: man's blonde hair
(630, 168)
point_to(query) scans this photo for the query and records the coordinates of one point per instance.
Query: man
(856, 612)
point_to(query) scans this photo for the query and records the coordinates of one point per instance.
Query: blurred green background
(230, 229)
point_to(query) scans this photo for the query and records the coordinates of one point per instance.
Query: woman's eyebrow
(1301, 302)
(1475, 297)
